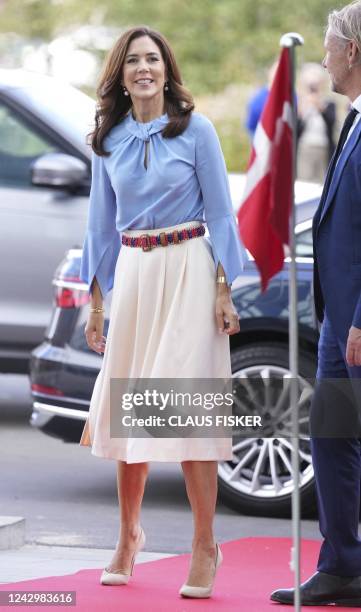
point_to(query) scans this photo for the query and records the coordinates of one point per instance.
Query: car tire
(276, 355)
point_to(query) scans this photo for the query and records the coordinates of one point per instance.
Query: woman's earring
(166, 86)
(125, 91)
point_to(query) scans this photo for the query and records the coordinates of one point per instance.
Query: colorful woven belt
(148, 242)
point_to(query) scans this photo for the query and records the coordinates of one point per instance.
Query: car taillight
(70, 297)
(44, 389)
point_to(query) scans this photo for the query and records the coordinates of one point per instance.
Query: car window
(304, 244)
(20, 145)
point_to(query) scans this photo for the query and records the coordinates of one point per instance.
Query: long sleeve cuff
(227, 246)
(99, 258)
(356, 321)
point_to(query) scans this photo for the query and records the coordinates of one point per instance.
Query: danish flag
(264, 214)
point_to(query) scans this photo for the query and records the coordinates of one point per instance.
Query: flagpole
(291, 40)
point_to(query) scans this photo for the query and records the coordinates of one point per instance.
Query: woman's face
(144, 69)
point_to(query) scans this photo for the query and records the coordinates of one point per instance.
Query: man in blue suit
(337, 291)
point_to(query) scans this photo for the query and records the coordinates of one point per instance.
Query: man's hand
(353, 348)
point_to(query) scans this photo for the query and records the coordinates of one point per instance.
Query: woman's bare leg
(201, 484)
(131, 479)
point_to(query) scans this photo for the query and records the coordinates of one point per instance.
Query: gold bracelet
(221, 280)
(97, 309)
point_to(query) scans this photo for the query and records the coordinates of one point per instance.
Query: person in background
(256, 104)
(316, 125)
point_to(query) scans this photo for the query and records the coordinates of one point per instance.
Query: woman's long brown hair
(113, 105)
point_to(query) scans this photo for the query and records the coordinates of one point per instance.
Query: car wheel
(258, 480)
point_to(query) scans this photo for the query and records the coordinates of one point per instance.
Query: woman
(157, 173)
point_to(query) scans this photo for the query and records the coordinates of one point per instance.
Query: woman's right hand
(94, 332)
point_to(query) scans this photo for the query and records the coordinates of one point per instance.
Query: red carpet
(251, 569)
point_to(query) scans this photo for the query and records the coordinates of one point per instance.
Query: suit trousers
(337, 458)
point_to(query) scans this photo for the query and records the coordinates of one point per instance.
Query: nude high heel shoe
(202, 592)
(116, 577)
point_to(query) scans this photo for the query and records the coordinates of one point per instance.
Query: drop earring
(166, 88)
(125, 91)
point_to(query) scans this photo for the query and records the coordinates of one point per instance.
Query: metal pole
(290, 40)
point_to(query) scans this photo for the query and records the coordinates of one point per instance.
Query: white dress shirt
(357, 105)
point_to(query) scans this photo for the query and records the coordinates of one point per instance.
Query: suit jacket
(337, 242)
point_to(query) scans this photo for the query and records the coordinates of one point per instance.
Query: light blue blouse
(185, 180)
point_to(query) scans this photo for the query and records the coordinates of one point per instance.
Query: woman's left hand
(226, 314)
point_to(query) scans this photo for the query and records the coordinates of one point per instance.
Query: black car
(258, 480)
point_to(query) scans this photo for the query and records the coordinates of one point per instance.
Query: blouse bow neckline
(145, 130)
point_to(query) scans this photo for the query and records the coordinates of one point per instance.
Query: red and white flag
(265, 209)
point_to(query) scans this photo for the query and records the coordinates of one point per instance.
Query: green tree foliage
(31, 18)
(217, 43)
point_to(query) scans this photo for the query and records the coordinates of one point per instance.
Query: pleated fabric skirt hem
(161, 449)
(215, 453)
(162, 325)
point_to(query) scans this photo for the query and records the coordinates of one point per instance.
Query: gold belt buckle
(163, 239)
(146, 243)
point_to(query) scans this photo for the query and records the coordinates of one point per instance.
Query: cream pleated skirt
(162, 325)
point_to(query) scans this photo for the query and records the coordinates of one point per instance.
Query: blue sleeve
(252, 118)
(218, 211)
(254, 110)
(102, 240)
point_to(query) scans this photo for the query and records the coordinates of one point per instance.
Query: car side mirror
(59, 170)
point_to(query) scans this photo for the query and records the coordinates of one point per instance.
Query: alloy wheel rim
(262, 467)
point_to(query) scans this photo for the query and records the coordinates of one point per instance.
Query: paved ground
(33, 561)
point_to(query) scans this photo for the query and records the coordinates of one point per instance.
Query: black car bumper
(61, 388)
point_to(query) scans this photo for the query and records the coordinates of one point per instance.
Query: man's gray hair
(346, 23)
